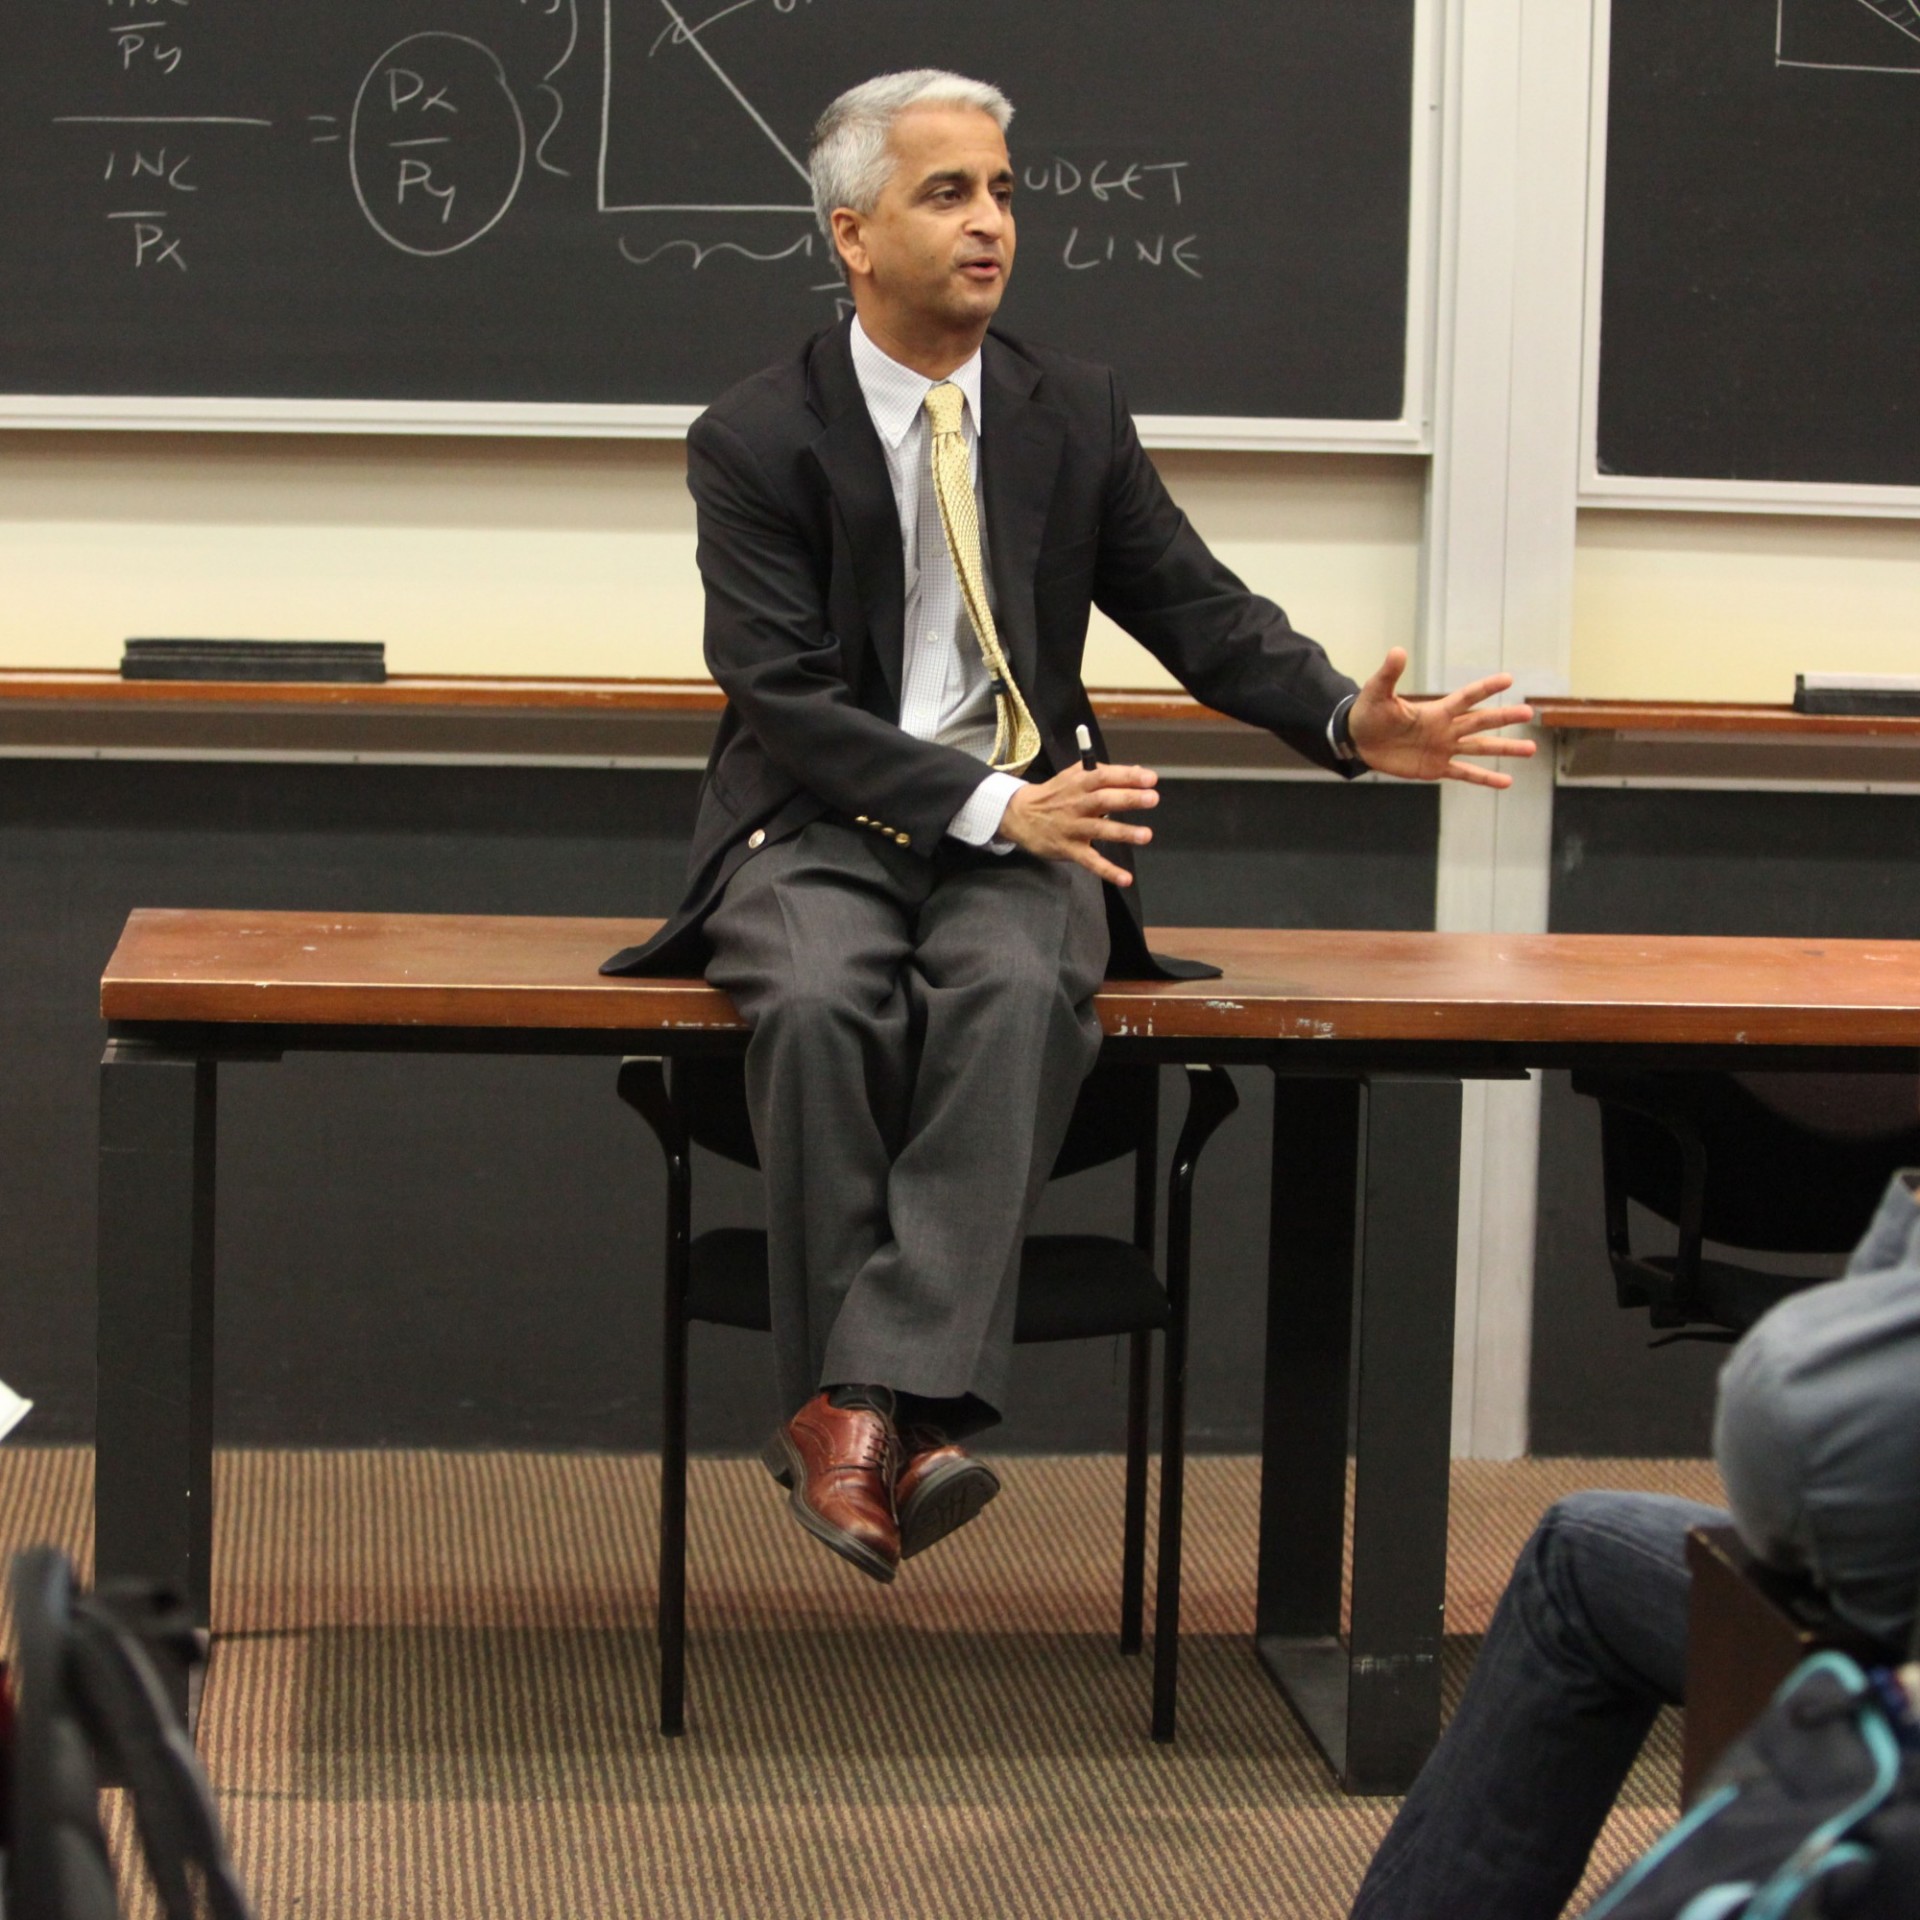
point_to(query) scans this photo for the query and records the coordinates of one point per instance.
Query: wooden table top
(472, 971)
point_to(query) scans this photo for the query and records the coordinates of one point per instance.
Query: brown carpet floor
(433, 1696)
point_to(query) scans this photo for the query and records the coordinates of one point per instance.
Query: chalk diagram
(439, 138)
(1848, 36)
(705, 165)
(695, 157)
(438, 143)
(443, 129)
(700, 164)
(681, 135)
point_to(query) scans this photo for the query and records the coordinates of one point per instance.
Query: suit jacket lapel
(849, 453)
(1021, 442)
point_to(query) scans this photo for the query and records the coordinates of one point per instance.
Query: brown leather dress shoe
(840, 1463)
(939, 1488)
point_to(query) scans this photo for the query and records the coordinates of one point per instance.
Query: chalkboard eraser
(1886, 694)
(355, 661)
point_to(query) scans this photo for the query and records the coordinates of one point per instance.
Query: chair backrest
(711, 1096)
(1794, 1163)
(1117, 1112)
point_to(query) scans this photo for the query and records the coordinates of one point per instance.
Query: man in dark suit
(901, 872)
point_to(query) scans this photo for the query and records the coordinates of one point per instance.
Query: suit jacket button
(758, 837)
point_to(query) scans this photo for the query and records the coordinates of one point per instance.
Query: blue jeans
(1588, 1644)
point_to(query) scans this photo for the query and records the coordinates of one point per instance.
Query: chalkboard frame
(1654, 492)
(1411, 433)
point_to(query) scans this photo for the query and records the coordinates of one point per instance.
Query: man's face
(935, 253)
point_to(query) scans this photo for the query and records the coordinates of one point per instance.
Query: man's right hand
(1062, 818)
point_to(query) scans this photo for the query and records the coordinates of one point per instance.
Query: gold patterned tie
(1016, 740)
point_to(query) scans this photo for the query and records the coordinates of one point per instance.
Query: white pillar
(1498, 588)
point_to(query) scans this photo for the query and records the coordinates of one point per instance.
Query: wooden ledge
(494, 720)
(1709, 717)
(1161, 706)
(460, 691)
(455, 690)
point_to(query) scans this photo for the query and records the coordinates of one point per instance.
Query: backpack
(1814, 1811)
(91, 1708)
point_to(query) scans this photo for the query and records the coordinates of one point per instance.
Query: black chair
(1072, 1287)
(1783, 1162)
(96, 1677)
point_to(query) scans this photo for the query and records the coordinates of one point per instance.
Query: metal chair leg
(1133, 1553)
(643, 1087)
(1173, 1481)
(1211, 1099)
(671, 1608)
(1133, 1556)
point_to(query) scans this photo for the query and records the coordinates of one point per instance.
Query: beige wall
(1334, 538)
(462, 555)
(1710, 606)
(576, 557)
(566, 557)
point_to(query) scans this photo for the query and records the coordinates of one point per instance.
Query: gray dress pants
(920, 1030)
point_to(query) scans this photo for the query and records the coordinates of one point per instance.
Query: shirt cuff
(1339, 738)
(978, 822)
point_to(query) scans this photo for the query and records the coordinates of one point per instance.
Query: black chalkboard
(1762, 243)
(515, 200)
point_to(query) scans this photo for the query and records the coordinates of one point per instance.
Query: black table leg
(153, 1475)
(1360, 1361)
(1312, 1249)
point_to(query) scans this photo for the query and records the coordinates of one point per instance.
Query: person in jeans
(1817, 1435)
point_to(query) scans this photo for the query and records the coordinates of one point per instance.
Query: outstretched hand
(1423, 739)
(1061, 818)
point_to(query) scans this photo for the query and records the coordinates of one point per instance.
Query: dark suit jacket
(800, 553)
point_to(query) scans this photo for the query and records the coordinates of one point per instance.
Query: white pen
(1084, 741)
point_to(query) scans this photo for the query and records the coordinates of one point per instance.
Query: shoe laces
(881, 1451)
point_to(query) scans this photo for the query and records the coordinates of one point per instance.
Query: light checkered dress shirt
(944, 691)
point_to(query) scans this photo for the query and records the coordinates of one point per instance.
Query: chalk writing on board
(1104, 180)
(438, 143)
(1083, 254)
(163, 164)
(152, 37)
(442, 130)
(1868, 36)
(151, 170)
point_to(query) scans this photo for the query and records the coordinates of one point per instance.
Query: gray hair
(848, 159)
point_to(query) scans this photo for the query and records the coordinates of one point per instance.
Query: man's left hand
(1423, 739)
